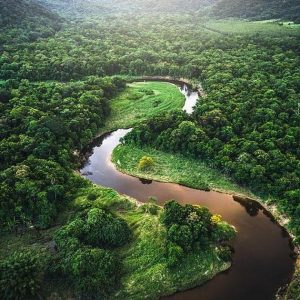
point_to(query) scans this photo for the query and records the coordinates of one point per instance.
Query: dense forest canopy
(61, 64)
(252, 81)
(23, 21)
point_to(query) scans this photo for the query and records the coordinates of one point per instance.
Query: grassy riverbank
(145, 273)
(141, 101)
(173, 168)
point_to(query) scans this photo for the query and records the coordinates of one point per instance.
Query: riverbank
(192, 84)
(196, 174)
(145, 271)
(233, 189)
(176, 168)
(141, 101)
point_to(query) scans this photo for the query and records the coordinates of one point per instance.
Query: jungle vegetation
(59, 72)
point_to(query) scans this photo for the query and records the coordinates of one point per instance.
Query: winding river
(263, 255)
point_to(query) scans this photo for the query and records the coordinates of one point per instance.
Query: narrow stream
(263, 258)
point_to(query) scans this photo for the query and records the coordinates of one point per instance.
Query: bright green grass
(245, 27)
(173, 168)
(134, 105)
(146, 273)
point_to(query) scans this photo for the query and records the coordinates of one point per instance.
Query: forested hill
(81, 8)
(248, 9)
(258, 9)
(23, 20)
(16, 11)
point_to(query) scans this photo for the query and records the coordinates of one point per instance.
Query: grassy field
(173, 168)
(270, 27)
(142, 100)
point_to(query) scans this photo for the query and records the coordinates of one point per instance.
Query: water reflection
(263, 254)
(145, 181)
(252, 207)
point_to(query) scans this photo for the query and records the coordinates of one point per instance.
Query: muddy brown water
(263, 259)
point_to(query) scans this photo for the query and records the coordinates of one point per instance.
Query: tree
(146, 163)
(21, 274)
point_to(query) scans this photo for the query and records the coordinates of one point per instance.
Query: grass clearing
(270, 27)
(173, 168)
(141, 101)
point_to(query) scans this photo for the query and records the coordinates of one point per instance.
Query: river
(263, 259)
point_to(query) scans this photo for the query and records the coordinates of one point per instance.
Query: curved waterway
(263, 255)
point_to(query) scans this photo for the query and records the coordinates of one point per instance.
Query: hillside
(78, 8)
(258, 9)
(23, 20)
(246, 9)
(16, 11)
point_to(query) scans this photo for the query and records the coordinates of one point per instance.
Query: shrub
(181, 235)
(150, 208)
(215, 219)
(146, 91)
(92, 196)
(225, 253)
(94, 271)
(173, 213)
(223, 232)
(146, 163)
(174, 254)
(105, 230)
(21, 274)
(293, 290)
(98, 228)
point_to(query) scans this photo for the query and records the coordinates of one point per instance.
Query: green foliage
(21, 274)
(293, 291)
(225, 253)
(150, 208)
(92, 196)
(248, 125)
(181, 235)
(173, 213)
(257, 9)
(175, 254)
(54, 98)
(188, 226)
(93, 271)
(23, 21)
(222, 232)
(97, 228)
(31, 192)
(171, 167)
(153, 268)
(44, 127)
(146, 91)
(146, 163)
(105, 230)
(142, 100)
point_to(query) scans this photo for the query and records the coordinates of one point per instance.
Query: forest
(65, 67)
